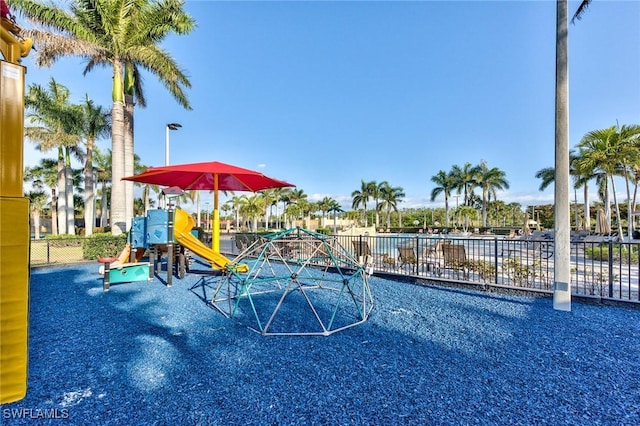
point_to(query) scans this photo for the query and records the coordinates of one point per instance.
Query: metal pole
(166, 146)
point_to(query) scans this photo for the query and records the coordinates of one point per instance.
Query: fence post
(495, 256)
(48, 252)
(417, 268)
(611, 268)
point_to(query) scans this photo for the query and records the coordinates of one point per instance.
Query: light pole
(170, 126)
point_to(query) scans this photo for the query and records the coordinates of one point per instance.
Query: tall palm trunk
(562, 253)
(617, 209)
(118, 191)
(54, 212)
(62, 198)
(104, 211)
(587, 212)
(446, 210)
(629, 211)
(89, 195)
(35, 214)
(484, 208)
(128, 157)
(68, 178)
(145, 196)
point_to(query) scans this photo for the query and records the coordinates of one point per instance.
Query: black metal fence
(599, 268)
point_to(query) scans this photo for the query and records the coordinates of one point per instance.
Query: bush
(486, 270)
(103, 245)
(620, 253)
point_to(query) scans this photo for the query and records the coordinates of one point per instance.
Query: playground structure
(163, 232)
(296, 282)
(14, 214)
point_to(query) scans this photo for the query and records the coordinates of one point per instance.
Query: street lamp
(170, 126)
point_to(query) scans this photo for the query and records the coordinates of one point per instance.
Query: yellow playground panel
(14, 217)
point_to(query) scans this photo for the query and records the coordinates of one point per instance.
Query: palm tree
(612, 151)
(325, 206)
(118, 34)
(37, 202)
(445, 185)
(96, 124)
(489, 180)
(278, 194)
(236, 202)
(296, 201)
(138, 167)
(55, 127)
(628, 141)
(391, 197)
(376, 194)
(464, 180)
(607, 151)
(102, 165)
(361, 197)
(335, 208)
(269, 196)
(42, 176)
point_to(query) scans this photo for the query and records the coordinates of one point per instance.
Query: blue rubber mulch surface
(143, 353)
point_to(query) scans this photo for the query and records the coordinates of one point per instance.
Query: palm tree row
(55, 123)
(464, 180)
(385, 197)
(601, 156)
(248, 209)
(124, 35)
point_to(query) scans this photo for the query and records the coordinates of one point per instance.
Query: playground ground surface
(143, 353)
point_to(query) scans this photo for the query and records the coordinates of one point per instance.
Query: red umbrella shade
(208, 176)
(213, 176)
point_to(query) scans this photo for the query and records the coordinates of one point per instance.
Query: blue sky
(324, 94)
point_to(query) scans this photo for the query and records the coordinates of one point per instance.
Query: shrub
(103, 245)
(486, 270)
(520, 273)
(620, 253)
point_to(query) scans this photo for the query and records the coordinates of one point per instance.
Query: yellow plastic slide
(183, 223)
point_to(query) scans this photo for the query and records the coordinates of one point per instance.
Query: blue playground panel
(157, 227)
(138, 234)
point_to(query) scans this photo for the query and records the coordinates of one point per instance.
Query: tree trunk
(145, 194)
(89, 195)
(128, 158)
(562, 252)
(118, 191)
(62, 198)
(587, 212)
(71, 213)
(104, 206)
(54, 212)
(36, 223)
(617, 209)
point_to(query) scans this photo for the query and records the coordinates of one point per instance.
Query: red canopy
(212, 175)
